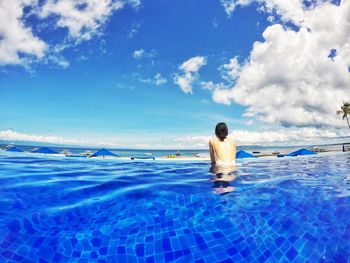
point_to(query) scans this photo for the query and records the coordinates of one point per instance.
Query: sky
(162, 74)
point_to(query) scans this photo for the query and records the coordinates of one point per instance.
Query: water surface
(56, 209)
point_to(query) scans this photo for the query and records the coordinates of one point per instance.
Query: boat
(142, 158)
(66, 152)
(76, 155)
(317, 149)
(87, 153)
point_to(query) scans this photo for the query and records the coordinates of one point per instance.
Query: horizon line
(57, 145)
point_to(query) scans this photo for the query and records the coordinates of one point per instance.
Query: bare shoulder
(211, 141)
(232, 140)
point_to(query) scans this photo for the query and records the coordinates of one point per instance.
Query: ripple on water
(119, 202)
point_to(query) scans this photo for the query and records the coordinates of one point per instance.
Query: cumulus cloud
(18, 44)
(281, 136)
(231, 70)
(288, 11)
(290, 77)
(193, 64)
(83, 19)
(189, 74)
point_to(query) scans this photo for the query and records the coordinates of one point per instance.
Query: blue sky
(117, 85)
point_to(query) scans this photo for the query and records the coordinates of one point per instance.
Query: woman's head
(221, 131)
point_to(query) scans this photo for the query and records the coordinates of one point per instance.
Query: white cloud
(281, 136)
(271, 19)
(199, 141)
(158, 80)
(287, 11)
(59, 60)
(190, 70)
(231, 71)
(223, 96)
(185, 82)
(138, 53)
(209, 85)
(83, 19)
(135, 3)
(192, 65)
(230, 5)
(9, 135)
(141, 53)
(17, 41)
(289, 78)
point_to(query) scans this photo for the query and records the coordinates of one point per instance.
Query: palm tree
(345, 110)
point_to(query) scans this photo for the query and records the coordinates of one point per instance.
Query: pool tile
(268, 225)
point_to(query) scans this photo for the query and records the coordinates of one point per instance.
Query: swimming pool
(55, 209)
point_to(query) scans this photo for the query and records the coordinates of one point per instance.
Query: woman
(223, 156)
(222, 148)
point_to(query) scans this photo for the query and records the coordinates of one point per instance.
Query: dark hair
(221, 131)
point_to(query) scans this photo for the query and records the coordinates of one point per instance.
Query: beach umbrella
(44, 150)
(302, 151)
(244, 154)
(103, 152)
(13, 149)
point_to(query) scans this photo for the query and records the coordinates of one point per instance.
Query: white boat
(87, 153)
(66, 152)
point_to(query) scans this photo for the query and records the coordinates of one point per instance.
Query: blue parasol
(44, 150)
(244, 154)
(103, 152)
(302, 151)
(14, 149)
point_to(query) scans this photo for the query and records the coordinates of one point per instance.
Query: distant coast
(187, 154)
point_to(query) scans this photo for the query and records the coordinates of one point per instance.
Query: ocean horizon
(130, 152)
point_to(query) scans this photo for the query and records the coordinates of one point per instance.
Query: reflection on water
(222, 178)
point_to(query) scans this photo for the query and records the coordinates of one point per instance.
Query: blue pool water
(56, 209)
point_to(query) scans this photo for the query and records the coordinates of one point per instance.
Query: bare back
(222, 151)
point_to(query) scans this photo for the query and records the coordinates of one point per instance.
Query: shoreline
(248, 148)
(173, 159)
(261, 152)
